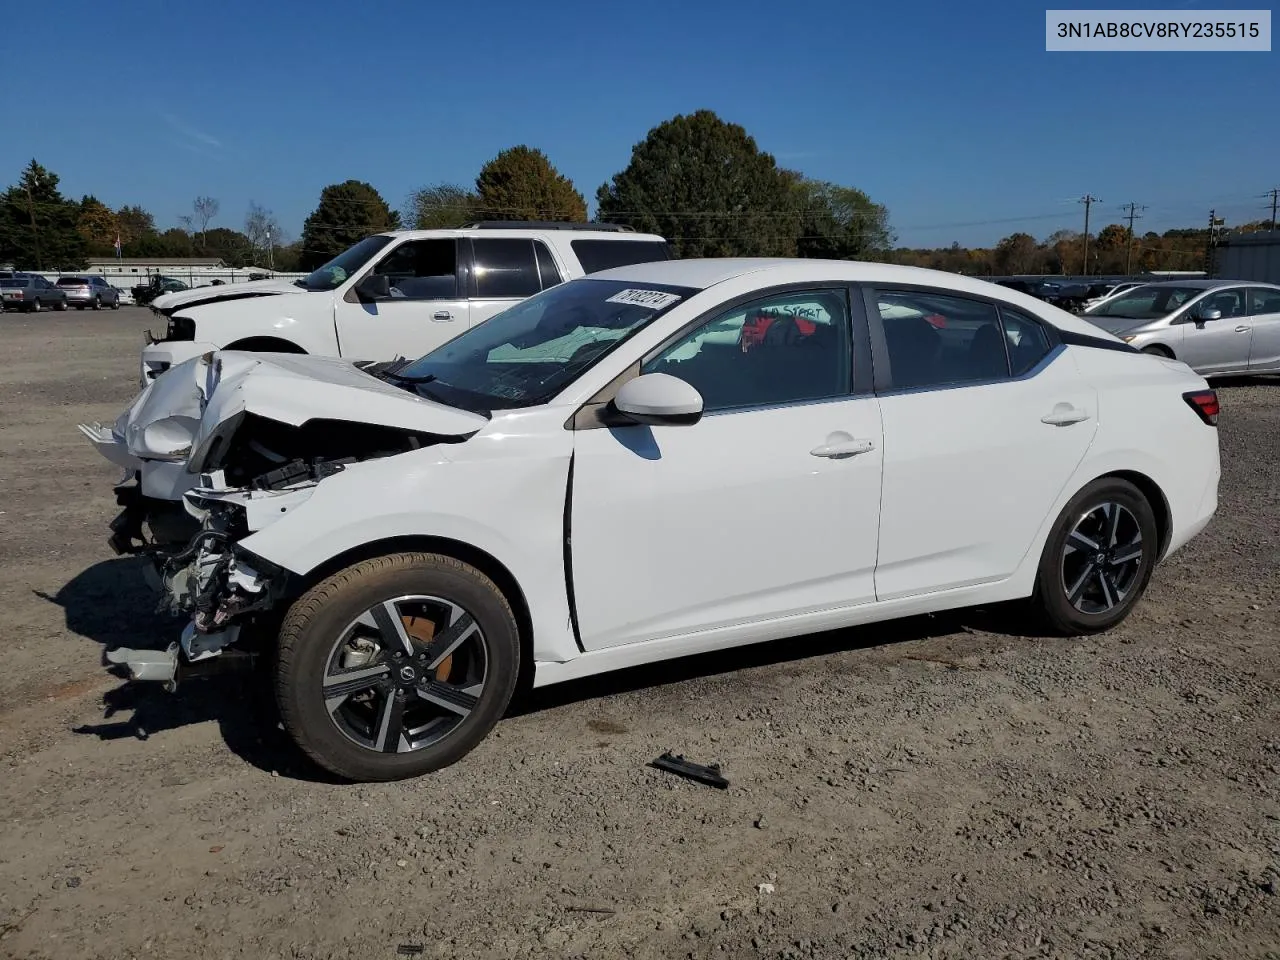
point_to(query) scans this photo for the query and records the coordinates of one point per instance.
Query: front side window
(505, 268)
(528, 353)
(421, 270)
(788, 348)
(1229, 302)
(937, 340)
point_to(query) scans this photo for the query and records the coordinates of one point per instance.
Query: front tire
(396, 666)
(1098, 559)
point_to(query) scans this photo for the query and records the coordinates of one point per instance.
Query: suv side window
(787, 348)
(937, 340)
(546, 265)
(505, 268)
(1263, 301)
(422, 270)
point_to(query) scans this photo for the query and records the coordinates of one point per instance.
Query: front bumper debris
(195, 655)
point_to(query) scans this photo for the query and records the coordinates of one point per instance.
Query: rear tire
(97, 303)
(365, 708)
(1098, 559)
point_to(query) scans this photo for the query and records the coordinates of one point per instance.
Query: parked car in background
(31, 292)
(1105, 291)
(93, 292)
(395, 294)
(156, 286)
(650, 462)
(1216, 327)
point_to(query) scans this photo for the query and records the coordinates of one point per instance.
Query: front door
(427, 305)
(1213, 346)
(766, 508)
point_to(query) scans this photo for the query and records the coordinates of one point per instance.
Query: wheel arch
(485, 562)
(1161, 349)
(264, 345)
(1155, 496)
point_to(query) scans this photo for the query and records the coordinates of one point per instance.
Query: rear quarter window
(597, 255)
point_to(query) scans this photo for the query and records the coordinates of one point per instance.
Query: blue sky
(952, 114)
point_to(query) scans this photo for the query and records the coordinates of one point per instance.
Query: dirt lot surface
(938, 787)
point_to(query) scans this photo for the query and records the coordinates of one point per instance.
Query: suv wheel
(396, 666)
(97, 302)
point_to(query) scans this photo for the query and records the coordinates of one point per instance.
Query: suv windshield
(527, 354)
(1148, 302)
(334, 273)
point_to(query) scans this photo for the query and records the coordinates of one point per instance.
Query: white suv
(401, 293)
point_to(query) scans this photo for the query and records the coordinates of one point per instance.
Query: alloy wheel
(405, 674)
(1102, 558)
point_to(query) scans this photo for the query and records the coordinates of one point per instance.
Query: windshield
(335, 273)
(1149, 302)
(72, 281)
(527, 354)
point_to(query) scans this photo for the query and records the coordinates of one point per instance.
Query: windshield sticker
(653, 299)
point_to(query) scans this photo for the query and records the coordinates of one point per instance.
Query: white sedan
(661, 460)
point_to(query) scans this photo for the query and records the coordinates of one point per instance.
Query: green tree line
(698, 180)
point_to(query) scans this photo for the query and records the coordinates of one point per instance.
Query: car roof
(518, 231)
(1201, 283)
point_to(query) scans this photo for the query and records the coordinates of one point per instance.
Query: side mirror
(1208, 314)
(376, 286)
(659, 399)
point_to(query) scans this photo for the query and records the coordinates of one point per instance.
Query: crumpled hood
(295, 388)
(228, 291)
(177, 413)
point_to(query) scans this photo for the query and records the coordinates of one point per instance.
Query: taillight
(1205, 403)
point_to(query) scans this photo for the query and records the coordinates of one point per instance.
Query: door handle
(1242, 329)
(838, 451)
(442, 315)
(1063, 415)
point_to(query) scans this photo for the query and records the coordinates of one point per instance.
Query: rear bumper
(159, 357)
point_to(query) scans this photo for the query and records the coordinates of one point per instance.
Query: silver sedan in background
(1216, 327)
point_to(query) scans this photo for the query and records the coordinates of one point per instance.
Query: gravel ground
(937, 787)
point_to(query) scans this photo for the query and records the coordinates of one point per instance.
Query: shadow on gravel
(110, 604)
(993, 620)
(1241, 381)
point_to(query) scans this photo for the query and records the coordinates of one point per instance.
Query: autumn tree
(521, 184)
(1017, 253)
(441, 206)
(347, 213)
(39, 228)
(97, 224)
(708, 188)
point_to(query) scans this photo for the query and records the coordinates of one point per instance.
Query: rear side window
(506, 268)
(936, 340)
(71, 281)
(1028, 343)
(1263, 301)
(596, 255)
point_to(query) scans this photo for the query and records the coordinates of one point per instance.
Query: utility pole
(1215, 222)
(1133, 209)
(1274, 193)
(35, 231)
(1088, 200)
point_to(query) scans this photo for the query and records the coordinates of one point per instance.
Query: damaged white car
(655, 461)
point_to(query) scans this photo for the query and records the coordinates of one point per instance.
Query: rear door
(985, 419)
(507, 270)
(1264, 315)
(427, 306)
